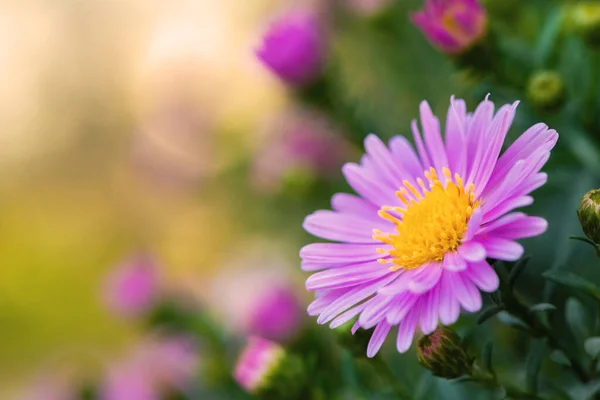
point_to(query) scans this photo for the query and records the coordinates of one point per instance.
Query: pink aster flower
(452, 25)
(414, 242)
(256, 363)
(132, 287)
(293, 47)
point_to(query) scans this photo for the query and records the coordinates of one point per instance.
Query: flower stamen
(432, 224)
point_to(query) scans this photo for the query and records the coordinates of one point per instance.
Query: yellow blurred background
(87, 88)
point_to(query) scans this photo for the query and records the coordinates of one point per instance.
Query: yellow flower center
(430, 223)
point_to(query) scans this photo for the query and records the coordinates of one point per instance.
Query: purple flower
(452, 25)
(414, 242)
(256, 363)
(293, 48)
(131, 289)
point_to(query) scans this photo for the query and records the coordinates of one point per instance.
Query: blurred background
(136, 126)
(117, 119)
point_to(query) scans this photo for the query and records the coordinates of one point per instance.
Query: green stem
(541, 330)
(489, 380)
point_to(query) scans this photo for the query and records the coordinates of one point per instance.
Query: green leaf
(592, 389)
(516, 271)
(534, 363)
(496, 297)
(486, 357)
(583, 239)
(577, 319)
(592, 346)
(462, 379)
(560, 358)
(548, 35)
(489, 313)
(512, 321)
(572, 281)
(542, 307)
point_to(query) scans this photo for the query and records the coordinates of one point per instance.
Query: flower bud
(453, 26)
(132, 287)
(589, 215)
(585, 18)
(266, 370)
(546, 91)
(293, 48)
(443, 354)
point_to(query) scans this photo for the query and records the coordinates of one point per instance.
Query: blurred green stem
(384, 371)
(489, 380)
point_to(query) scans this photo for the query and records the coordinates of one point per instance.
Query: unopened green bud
(442, 353)
(589, 215)
(585, 19)
(546, 91)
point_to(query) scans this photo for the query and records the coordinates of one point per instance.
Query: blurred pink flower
(260, 299)
(256, 363)
(452, 25)
(302, 144)
(152, 369)
(276, 315)
(132, 287)
(293, 47)
(127, 383)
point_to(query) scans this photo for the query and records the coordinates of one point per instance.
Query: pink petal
(430, 310)
(449, 306)
(472, 251)
(351, 204)
(454, 262)
(467, 294)
(403, 304)
(456, 136)
(432, 136)
(502, 249)
(406, 332)
(483, 275)
(331, 225)
(349, 275)
(378, 338)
